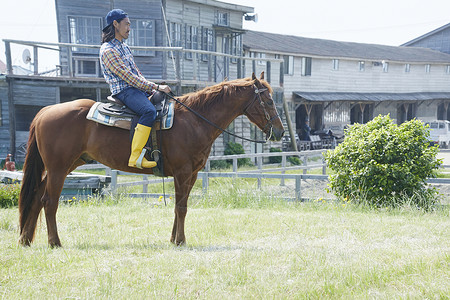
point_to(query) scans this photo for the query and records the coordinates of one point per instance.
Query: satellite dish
(26, 56)
(249, 17)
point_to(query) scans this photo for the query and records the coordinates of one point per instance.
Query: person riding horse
(127, 83)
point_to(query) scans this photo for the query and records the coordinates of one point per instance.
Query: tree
(382, 164)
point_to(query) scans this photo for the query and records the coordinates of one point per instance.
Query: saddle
(116, 114)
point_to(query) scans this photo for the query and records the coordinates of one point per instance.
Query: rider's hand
(164, 88)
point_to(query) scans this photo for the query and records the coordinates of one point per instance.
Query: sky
(387, 22)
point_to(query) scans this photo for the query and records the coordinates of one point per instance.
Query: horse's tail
(33, 170)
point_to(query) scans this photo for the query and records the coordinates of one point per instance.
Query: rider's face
(122, 29)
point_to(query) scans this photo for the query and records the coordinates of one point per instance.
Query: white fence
(263, 171)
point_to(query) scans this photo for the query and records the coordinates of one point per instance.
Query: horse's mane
(202, 99)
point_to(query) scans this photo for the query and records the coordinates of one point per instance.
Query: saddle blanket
(124, 120)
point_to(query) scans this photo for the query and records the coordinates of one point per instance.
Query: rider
(127, 83)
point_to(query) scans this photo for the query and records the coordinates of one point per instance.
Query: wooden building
(188, 44)
(334, 84)
(191, 44)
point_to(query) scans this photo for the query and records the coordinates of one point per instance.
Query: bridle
(261, 102)
(258, 92)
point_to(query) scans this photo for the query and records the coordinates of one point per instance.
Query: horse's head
(261, 110)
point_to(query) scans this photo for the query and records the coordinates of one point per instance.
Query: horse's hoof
(25, 242)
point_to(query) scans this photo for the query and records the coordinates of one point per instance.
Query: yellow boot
(137, 159)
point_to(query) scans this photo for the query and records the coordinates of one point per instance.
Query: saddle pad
(95, 114)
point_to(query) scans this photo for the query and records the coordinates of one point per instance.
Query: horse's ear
(261, 77)
(253, 76)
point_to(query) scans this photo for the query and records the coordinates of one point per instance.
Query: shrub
(384, 165)
(9, 195)
(294, 160)
(218, 164)
(235, 148)
(275, 159)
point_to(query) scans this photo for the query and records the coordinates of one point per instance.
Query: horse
(62, 139)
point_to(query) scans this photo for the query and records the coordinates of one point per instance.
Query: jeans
(137, 101)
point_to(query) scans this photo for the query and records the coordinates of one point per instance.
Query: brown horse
(61, 139)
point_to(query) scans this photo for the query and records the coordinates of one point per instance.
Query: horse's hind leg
(29, 228)
(50, 200)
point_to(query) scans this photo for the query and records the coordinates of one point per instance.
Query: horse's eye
(270, 102)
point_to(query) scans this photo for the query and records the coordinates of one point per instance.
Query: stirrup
(141, 159)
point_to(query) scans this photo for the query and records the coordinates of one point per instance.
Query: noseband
(269, 119)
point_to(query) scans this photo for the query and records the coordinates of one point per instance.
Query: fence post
(205, 182)
(145, 185)
(113, 181)
(305, 163)
(298, 193)
(283, 165)
(235, 165)
(259, 159)
(324, 167)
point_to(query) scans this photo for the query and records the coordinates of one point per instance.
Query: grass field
(264, 249)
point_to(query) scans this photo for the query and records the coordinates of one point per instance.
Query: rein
(257, 96)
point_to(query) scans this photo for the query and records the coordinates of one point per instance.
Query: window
(207, 42)
(447, 69)
(191, 40)
(427, 68)
(142, 34)
(87, 66)
(385, 67)
(288, 64)
(336, 64)
(86, 31)
(175, 34)
(407, 68)
(236, 47)
(222, 18)
(362, 66)
(306, 66)
(261, 55)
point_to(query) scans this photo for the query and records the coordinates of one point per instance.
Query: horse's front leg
(183, 186)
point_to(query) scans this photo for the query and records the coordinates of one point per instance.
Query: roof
(301, 46)
(371, 97)
(442, 28)
(224, 5)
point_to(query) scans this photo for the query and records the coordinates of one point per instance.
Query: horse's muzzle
(277, 134)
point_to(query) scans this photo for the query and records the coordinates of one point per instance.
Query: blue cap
(114, 15)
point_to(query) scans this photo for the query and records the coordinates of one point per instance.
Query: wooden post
(145, 185)
(283, 166)
(70, 61)
(205, 182)
(298, 192)
(260, 169)
(305, 163)
(289, 124)
(113, 181)
(36, 60)
(12, 118)
(9, 68)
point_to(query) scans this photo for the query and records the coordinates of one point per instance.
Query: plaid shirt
(120, 70)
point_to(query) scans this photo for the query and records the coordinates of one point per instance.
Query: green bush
(9, 195)
(235, 148)
(384, 165)
(275, 159)
(294, 160)
(218, 164)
